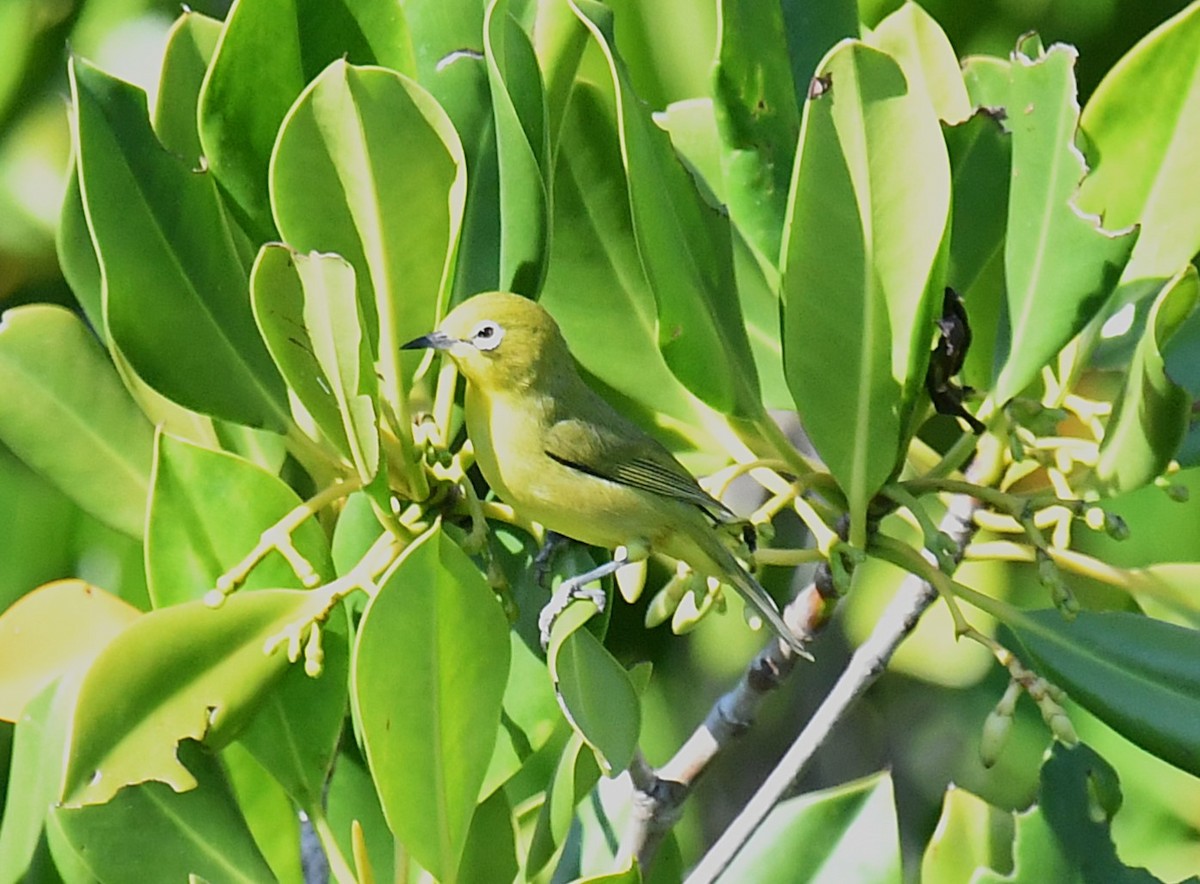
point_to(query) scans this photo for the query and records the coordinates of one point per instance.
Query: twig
(866, 665)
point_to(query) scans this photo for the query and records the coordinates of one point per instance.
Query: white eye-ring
(487, 335)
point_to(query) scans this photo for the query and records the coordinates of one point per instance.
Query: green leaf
(971, 834)
(684, 246)
(1141, 123)
(175, 303)
(1139, 676)
(269, 51)
(53, 629)
(574, 777)
(150, 831)
(1049, 300)
(1151, 415)
(190, 46)
(269, 813)
(77, 257)
(812, 30)
(70, 419)
(430, 734)
(594, 691)
(491, 851)
(873, 176)
(522, 148)
(848, 833)
(195, 536)
(1161, 528)
(980, 162)
(307, 309)
(351, 796)
(758, 118)
(209, 676)
(917, 42)
(1066, 836)
(33, 781)
(368, 165)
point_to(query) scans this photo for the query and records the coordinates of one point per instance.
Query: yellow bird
(556, 452)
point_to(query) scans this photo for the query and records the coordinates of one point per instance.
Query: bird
(558, 453)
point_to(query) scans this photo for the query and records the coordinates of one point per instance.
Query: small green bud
(1062, 728)
(996, 728)
(1178, 493)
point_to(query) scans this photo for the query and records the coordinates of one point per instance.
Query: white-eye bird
(560, 455)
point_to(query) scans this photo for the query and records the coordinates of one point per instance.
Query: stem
(338, 866)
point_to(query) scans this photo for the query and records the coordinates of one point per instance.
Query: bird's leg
(577, 587)
(544, 560)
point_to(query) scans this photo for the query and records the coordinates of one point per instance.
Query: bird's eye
(487, 335)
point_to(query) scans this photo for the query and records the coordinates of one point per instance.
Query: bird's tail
(754, 594)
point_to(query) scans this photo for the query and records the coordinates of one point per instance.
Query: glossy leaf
(77, 256)
(1066, 836)
(175, 303)
(848, 833)
(971, 834)
(812, 30)
(54, 628)
(209, 676)
(430, 734)
(195, 535)
(594, 691)
(150, 831)
(1162, 528)
(872, 177)
(368, 165)
(1049, 300)
(307, 309)
(1139, 676)
(1142, 123)
(269, 51)
(70, 419)
(522, 148)
(1151, 415)
(684, 246)
(351, 797)
(912, 37)
(758, 118)
(190, 46)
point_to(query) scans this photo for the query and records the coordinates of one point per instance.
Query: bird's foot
(567, 592)
(543, 561)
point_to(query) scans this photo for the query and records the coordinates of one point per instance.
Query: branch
(866, 665)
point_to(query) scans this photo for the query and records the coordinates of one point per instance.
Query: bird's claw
(566, 593)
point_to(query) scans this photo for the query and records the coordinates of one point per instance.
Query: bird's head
(500, 341)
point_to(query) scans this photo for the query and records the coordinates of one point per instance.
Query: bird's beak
(436, 340)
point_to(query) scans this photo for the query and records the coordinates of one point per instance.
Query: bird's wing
(631, 458)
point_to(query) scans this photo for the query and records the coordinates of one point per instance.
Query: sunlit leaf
(175, 303)
(269, 51)
(1049, 299)
(970, 834)
(1142, 123)
(848, 833)
(862, 268)
(912, 37)
(190, 46)
(429, 734)
(51, 630)
(209, 675)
